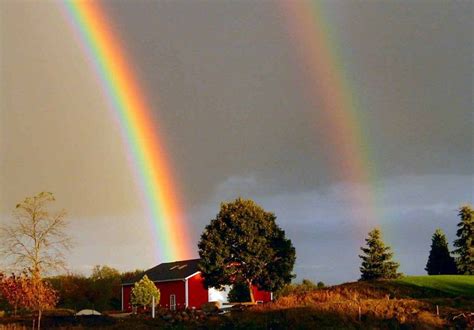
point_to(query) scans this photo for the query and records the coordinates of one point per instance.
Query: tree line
(377, 260)
(242, 246)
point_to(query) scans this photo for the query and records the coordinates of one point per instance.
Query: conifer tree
(377, 261)
(440, 260)
(465, 241)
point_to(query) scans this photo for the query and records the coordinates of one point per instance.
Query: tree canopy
(377, 261)
(440, 260)
(244, 244)
(465, 241)
(144, 291)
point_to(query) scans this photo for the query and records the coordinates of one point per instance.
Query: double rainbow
(141, 134)
(328, 88)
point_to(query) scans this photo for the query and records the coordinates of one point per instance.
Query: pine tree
(377, 262)
(440, 260)
(465, 242)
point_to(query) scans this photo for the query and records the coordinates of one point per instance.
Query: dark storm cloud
(226, 88)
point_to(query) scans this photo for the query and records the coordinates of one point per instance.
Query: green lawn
(453, 285)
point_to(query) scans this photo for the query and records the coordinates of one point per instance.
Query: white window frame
(172, 302)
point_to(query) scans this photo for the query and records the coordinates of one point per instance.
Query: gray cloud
(224, 84)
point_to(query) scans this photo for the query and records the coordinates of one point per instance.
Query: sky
(229, 92)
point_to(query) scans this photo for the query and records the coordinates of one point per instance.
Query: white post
(153, 307)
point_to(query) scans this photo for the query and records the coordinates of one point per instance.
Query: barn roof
(168, 271)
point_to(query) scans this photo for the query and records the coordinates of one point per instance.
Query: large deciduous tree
(377, 261)
(465, 241)
(244, 244)
(37, 240)
(440, 260)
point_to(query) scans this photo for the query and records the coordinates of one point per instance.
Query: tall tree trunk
(252, 299)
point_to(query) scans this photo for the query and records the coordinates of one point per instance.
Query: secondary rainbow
(328, 88)
(147, 153)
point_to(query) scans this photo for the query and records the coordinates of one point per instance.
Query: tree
(106, 284)
(244, 244)
(144, 291)
(29, 292)
(440, 260)
(377, 262)
(465, 241)
(37, 240)
(11, 290)
(239, 293)
(38, 296)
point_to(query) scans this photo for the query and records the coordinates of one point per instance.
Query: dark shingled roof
(177, 270)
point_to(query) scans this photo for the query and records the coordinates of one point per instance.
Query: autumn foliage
(27, 292)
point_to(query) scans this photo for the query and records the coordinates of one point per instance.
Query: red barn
(182, 286)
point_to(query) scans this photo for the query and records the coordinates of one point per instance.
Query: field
(408, 303)
(449, 285)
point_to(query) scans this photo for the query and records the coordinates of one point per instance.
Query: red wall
(127, 290)
(264, 296)
(169, 288)
(198, 295)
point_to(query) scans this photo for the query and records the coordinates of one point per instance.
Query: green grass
(450, 285)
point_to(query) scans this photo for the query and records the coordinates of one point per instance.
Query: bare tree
(36, 240)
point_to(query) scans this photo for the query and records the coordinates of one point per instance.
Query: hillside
(424, 287)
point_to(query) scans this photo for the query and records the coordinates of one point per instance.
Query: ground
(408, 303)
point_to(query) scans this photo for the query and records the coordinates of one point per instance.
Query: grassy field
(450, 285)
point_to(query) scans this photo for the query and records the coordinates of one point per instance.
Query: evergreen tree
(440, 260)
(377, 262)
(244, 244)
(465, 242)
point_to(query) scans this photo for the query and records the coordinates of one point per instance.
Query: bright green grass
(453, 285)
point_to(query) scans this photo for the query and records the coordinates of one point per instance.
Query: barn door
(172, 302)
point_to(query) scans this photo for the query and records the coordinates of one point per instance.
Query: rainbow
(147, 154)
(328, 89)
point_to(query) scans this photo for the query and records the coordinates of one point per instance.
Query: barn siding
(169, 288)
(198, 294)
(259, 295)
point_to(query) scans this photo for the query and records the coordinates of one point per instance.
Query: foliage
(440, 260)
(76, 292)
(244, 244)
(239, 293)
(377, 259)
(106, 281)
(104, 273)
(11, 290)
(144, 291)
(28, 292)
(37, 240)
(465, 241)
(101, 291)
(298, 288)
